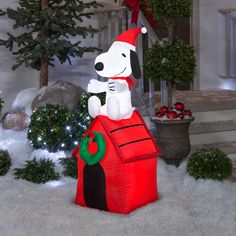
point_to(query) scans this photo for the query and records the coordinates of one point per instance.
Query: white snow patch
(185, 206)
(43, 153)
(25, 98)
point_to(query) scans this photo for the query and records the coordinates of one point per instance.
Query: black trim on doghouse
(95, 187)
(135, 141)
(125, 127)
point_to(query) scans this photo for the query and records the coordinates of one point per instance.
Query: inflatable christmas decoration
(117, 156)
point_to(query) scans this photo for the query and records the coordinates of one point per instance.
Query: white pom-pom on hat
(144, 30)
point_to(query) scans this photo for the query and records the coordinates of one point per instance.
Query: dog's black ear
(135, 66)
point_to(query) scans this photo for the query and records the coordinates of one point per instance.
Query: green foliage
(69, 166)
(51, 128)
(54, 127)
(48, 31)
(170, 8)
(82, 118)
(5, 162)
(37, 172)
(209, 163)
(1, 105)
(174, 62)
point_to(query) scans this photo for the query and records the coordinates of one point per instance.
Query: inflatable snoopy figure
(117, 64)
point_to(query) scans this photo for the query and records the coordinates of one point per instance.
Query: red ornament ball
(179, 106)
(172, 115)
(188, 113)
(159, 115)
(181, 116)
(163, 110)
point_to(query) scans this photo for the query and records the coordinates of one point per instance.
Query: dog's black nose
(99, 66)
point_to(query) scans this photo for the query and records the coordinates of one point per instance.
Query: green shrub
(55, 127)
(82, 118)
(69, 166)
(172, 62)
(209, 163)
(170, 8)
(5, 162)
(38, 172)
(1, 105)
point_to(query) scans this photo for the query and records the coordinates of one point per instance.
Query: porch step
(212, 127)
(214, 106)
(215, 137)
(215, 115)
(227, 147)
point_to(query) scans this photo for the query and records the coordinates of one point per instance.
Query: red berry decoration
(179, 106)
(164, 110)
(159, 115)
(181, 116)
(187, 113)
(172, 115)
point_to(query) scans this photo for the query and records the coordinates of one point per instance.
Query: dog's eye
(123, 55)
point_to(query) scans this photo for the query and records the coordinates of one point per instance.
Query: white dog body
(118, 96)
(118, 103)
(117, 64)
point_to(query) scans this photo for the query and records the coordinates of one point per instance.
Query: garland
(136, 5)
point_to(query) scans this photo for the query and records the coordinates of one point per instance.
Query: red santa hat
(128, 38)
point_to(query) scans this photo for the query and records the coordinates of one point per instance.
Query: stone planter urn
(173, 139)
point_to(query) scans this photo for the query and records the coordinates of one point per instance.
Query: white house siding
(211, 36)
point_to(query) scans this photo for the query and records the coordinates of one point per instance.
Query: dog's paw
(94, 106)
(116, 86)
(91, 88)
(95, 86)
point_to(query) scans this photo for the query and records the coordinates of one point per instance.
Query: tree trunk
(44, 4)
(44, 59)
(170, 90)
(44, 71)
(170, 23)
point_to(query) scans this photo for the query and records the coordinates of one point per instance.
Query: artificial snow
(24, 99)
(185, 206)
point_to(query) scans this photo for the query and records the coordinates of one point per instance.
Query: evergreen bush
(172, 62)
(69, 166)
(82, 118)
(5, 162)
(37, 172)
(52, 127)
(209, 163)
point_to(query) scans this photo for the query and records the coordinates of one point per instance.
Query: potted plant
(173, 61)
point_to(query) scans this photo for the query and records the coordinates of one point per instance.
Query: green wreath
(92, 159)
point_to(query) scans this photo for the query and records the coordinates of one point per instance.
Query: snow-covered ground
(186, 206)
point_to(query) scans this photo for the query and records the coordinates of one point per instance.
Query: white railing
(113, 21)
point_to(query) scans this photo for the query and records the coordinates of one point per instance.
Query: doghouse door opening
(95, 187)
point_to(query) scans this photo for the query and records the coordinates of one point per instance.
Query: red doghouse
(125, 178)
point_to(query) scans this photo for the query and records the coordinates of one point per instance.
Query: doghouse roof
(130, 137)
